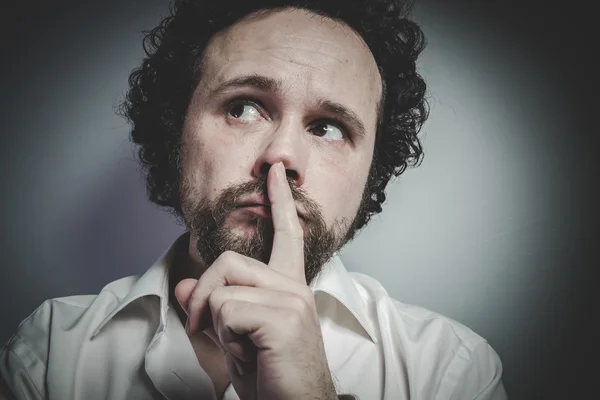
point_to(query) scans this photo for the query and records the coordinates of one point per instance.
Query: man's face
(287, 87)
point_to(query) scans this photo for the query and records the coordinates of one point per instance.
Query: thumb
(183, 292)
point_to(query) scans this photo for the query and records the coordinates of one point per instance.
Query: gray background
(495, 229)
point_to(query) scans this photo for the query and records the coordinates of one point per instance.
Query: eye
(244, 111)
(328, 131)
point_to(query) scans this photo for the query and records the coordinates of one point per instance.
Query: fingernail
(238, 366)
(280, 169)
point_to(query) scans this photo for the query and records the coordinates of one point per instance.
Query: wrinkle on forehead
(332, 49)
(336, 49)
(298, 62)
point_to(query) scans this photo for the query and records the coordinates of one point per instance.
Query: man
(270, 129)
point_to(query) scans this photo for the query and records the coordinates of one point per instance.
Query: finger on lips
(287, 254)
(235, 270)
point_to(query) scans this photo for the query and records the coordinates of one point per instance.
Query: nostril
(264, 169)
(292, 174)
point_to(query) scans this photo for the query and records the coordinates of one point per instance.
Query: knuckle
(226, 310)
(298, 238)
(217, 294)
(297, 303)
(226, 262)
(307, 295)
(296, 231)
(226, 257)
(293, 230)
(254, 264)
(292, 319)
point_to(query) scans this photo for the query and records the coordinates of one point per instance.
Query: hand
(264, 316)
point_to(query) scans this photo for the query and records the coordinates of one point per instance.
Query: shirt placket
(172, 365)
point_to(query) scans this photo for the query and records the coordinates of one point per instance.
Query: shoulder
(63, 312)
(24, 357)
(456, 361)
(409, 316)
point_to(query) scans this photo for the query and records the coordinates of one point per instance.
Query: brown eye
(328, 131)
(244, 112)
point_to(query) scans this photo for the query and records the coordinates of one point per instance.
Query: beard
(206, 221)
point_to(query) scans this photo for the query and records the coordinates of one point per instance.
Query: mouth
(262, 210)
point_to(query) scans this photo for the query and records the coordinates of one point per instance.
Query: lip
(258, 209)
(261, 206)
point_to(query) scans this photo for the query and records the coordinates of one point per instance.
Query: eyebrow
(272, 85)
(259, 82)
(344, 113)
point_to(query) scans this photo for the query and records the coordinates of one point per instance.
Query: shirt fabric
(127, 342)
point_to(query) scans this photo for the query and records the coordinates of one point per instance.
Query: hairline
(200, 63)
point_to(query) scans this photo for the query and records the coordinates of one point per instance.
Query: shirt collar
(155, 282)
(333, 279)
(337, 282)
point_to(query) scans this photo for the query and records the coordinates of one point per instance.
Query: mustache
(206, 219)
(231, 196)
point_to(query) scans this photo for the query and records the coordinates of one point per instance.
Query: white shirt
(128, 343)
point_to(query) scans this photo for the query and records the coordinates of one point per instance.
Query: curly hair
(162, 86)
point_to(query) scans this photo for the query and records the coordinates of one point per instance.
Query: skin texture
(260, 314)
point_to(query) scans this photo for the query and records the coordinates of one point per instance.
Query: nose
(287, 145)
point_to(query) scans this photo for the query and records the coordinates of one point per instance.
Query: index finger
(287, 255)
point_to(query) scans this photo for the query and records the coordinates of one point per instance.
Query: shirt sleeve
(473, 375)
(16, 382)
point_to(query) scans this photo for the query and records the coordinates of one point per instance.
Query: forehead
(313, 56)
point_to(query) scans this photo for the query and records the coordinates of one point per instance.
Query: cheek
(199, 163)
(213, 161)
(341, 189)
(348, 199)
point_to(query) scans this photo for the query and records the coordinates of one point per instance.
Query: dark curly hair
(162, 86)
